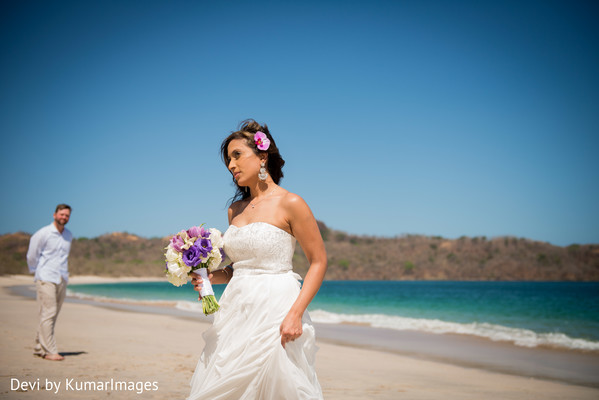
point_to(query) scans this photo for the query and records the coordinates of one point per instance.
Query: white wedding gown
(243, 357)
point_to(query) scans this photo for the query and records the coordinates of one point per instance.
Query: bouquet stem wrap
(209, 303)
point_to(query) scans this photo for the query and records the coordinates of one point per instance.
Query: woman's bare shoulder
(293, 202)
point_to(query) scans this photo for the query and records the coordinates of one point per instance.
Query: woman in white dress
(262, 342)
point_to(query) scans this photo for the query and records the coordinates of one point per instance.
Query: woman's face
(244, 164)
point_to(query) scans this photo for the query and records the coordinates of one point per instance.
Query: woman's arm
(305, 229)
(217, 277)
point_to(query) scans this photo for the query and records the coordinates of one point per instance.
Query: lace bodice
(259, 247)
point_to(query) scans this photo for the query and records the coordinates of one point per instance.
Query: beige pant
(50, 297)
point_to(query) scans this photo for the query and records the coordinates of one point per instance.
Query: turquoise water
(562, 314)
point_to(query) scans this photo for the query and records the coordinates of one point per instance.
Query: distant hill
(409, 257)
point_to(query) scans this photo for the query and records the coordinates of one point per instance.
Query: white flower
(215, 259)
(172, 255)
(175, 279)
(177, 274)
(216, 238)
(204, 260)
(188, 242)
(178, 269)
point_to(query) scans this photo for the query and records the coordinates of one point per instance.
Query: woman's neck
(262, 188)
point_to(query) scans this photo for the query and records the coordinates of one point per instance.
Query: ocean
(556, 314)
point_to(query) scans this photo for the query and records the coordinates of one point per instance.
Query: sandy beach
(155, 355)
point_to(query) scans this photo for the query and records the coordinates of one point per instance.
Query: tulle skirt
(243, 357)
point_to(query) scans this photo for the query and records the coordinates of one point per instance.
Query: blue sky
(442, 118)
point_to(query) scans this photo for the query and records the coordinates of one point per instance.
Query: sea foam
(190, 306)
(520, 337)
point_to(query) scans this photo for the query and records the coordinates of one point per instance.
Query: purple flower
(198, 231)
(204, 246)
(200, 249)
(177, 242)
(191, 256)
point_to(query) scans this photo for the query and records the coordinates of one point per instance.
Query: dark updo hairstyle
(246, 131)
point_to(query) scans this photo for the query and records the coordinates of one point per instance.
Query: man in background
(47, 257)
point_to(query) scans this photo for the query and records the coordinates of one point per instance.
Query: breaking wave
(518, 336)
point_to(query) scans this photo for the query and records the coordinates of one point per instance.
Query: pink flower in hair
(261, 141)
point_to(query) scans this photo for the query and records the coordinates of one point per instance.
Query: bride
(262, 342)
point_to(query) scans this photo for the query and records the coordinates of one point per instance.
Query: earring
(262, 175)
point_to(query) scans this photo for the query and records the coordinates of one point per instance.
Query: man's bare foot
(53, 357)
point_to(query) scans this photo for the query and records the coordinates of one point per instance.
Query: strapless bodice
(259, 247)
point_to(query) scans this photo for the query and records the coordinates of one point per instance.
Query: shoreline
(570, 366)
(521, 336)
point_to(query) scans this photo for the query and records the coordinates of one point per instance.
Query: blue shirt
(48, 253)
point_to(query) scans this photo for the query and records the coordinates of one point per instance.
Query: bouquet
(196, 250)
